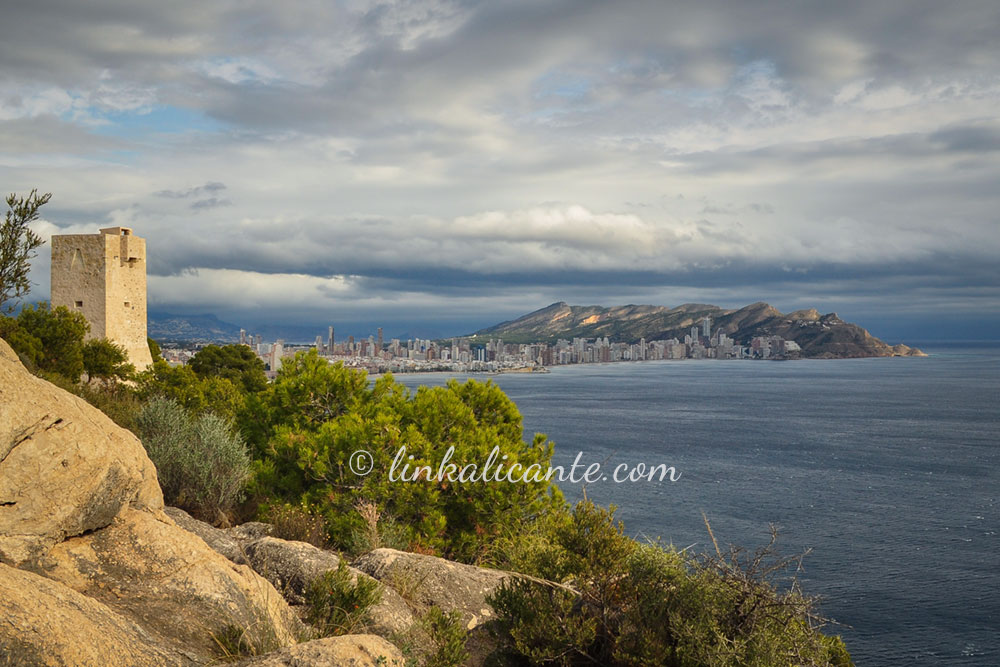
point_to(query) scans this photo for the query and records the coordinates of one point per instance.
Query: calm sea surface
(886, 468)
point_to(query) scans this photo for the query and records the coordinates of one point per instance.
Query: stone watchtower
(103, 276)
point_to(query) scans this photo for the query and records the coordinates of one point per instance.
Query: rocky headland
(818, 336)
(95, 570)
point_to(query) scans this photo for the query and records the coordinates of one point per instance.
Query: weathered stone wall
(103, 276)
(126, 297)
(78, 277)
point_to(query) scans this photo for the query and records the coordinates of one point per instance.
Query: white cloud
(33, 101)
(237, 70)
(536, 142)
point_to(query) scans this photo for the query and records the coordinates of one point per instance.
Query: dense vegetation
(230, 446)
(316, 415)
(50, 342)
(202, 465)
(600, 597)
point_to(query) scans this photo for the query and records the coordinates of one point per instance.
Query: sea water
(886, 469)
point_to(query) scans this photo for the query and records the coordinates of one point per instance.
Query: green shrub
(237, 642)
(298, 524)
(614, 601)
(339, 603)
(447, 638)
(197, 394)
(154, 349)
(237, 363)
(49, 339)
(377, 531)
(318, 414)
(27, 347)
(118, 401)
(104, 360)
(202, 464)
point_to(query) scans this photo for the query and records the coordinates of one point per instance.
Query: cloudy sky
(447, 165)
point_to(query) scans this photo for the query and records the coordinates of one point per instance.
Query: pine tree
(17, 247)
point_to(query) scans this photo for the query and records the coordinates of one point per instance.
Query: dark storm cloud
(560, 148)
(208, 188)
(951, 142)
(979, 138)
(435, 256)
(211, 202)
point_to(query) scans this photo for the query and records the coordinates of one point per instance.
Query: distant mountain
(208, 328)
(193, 328)
(819, 336)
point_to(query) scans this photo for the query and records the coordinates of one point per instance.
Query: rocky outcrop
(250, 531)
(95, 571)
(65, 468)
(43, 622)
(166, 579)
(293, 566)
(432, 581)
(220, 541)
(901, 350)
(80, 506)
(348, 651)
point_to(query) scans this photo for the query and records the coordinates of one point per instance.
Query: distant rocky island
(818, 336)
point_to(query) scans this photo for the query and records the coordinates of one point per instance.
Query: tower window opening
(79, 304)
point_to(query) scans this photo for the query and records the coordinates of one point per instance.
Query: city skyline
(450, 165)
(493, 354)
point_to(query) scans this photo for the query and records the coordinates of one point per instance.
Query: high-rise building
(103, 276)
(243, 336)
(329, 341)
(276, 352)
(379, 340)
(706, 327)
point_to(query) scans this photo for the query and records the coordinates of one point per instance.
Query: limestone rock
(218, 539)
(293, 566)
(435, 581)
(171, 583)
(345, 651)
(250, 531)
(46, 623)
(907, 351)
(80, 505)
(65, 468)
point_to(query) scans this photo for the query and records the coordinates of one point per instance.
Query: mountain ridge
(819, 336)
(164, 326)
